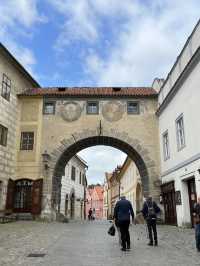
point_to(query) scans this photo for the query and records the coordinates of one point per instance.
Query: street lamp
(46, 158)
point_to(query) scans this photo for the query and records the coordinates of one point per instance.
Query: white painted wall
(68, 184)
(186, 102)
(190, 48)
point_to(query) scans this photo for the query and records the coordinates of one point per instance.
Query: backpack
(151, 211)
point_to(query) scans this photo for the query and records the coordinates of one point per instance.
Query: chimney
(157, 84)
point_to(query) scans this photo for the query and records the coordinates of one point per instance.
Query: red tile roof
(91, 91)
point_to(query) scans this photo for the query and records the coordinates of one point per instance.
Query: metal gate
(23, 196)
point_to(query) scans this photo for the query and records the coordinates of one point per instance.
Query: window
(92, 108)
(83, 179)
(80, 176)
(73, 173)
(180, 132)
(6, 87)
(49, 108)
(27, 140)
(166, 145)
(3, 135)
(133, 108)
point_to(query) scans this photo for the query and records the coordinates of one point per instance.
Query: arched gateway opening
(143, 162)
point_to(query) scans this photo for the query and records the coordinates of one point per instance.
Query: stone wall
(9, 117)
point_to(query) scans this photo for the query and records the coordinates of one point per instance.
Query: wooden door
(168, 193)
(37, 196)
(10, 195)
(192, 197)
(23, 195)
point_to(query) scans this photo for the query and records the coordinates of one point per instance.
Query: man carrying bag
(122, 212)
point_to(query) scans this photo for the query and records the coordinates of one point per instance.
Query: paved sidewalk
(88, 244)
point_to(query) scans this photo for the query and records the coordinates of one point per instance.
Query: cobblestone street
(88, 244)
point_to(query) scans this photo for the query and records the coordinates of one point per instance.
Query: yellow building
(130, 184)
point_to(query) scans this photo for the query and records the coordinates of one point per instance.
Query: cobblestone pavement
(88, 244)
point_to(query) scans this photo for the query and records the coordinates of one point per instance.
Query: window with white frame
(73, 173)
(166, 145)
(180, 133)
(3, 135)
(49, 108)
(92, 107)
(6, 87)
(133, 107)
(80, 177)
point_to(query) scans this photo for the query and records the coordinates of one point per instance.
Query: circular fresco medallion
(70, 111)
(112, 111)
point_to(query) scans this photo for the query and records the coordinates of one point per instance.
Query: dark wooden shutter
(10, 195)
(37, 196)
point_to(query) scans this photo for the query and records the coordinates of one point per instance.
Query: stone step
(24, 216)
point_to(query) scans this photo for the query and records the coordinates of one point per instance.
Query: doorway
(192, 197)
(168, 194)
(23, 196)
(72, 206)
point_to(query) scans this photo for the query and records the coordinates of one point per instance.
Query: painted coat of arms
(71, 111)
(113, 111)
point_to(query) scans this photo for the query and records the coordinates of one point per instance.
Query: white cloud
(82, 18)
(101, 159)
(24, 12)
(145, 36)
(147, 46)
(19, 17)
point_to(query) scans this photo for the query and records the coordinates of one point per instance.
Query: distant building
(95, 201)
(124, 181)
(130, 184)
(73, 189)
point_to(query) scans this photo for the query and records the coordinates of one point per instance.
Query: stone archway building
(65, 120)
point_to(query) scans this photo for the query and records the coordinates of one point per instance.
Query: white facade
(73, 190)
(179, 97)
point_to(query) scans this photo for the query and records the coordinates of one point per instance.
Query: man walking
(123, 210)
(150, 210)
(196, 214)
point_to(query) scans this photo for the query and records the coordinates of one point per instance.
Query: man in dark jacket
(150, 210)
(123, 210)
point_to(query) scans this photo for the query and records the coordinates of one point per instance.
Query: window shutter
(10, 194)
(37, 196)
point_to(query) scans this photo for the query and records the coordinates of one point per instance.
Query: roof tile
(90, 91)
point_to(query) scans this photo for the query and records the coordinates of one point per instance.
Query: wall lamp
(46, 157)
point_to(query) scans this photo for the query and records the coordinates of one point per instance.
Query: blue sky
(97, 43)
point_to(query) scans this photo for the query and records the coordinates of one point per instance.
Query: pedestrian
(122, 212)
(118, 229)
(93, 214)
(90, 214)
(150, 210)
(196, 214)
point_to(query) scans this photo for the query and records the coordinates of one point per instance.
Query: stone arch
(133, 147)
